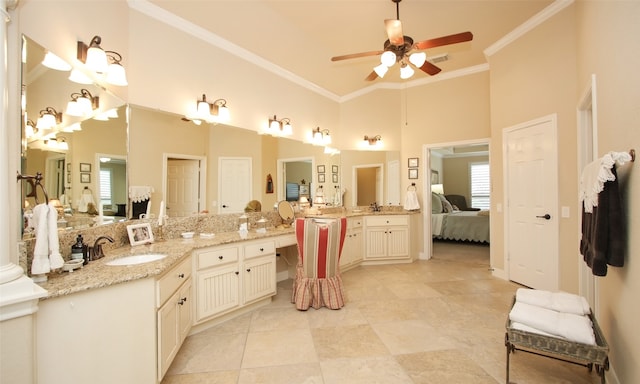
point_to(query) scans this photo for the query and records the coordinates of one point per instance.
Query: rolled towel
(569, 326)
(40, 263)
(55, 259)
(526, 328)
(557, 301)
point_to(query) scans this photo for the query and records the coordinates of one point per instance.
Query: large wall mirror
(83, 159)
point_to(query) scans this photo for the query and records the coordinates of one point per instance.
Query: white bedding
(461, 225)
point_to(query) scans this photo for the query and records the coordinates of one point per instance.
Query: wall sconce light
(214, 113)
(320, 137)
(280, 127)
(30, 129)
(54, 62)
(82, 104)
(57, 144)
(105, 63)
(49, 118)
(374, 140)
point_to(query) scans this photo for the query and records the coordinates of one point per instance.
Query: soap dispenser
(77, 249)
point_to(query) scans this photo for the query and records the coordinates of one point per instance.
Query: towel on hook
(411, 201)
(596, 174)
(140, 193)
(86, 201)
(46, 253)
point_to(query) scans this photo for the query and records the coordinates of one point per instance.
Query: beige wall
(455, 176)
(526, 85)
(608, 46)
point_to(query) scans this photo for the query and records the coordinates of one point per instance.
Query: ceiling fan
(401, 49)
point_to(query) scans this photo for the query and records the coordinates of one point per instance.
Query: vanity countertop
(97, 274)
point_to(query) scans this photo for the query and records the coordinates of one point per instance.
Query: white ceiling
(301, 36)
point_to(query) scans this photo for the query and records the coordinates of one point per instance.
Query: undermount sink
(136, 259)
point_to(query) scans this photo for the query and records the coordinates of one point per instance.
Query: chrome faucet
(375, 207)
(96, 252)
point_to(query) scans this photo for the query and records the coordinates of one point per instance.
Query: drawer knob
(261, 249)
(181, 275)
(182, 301)
(220, 257)
(237, 273)
(248, 269)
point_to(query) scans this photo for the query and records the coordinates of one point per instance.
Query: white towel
(558, 301)
(596, 174)
(85, 200)
(46, 253)
(526, 328)
(140, 193)
(565, 325)
(411, 201)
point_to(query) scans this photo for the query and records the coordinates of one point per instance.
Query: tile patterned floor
(436, 321)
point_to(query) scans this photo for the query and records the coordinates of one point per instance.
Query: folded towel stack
(555, 314)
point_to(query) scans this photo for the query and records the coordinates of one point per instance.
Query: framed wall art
(320, 177)
(334, 169)
(413, 162)
(85, 167)
(320, 168)
(334, 178)
(413, 173)
(435, 177)
(85, 178)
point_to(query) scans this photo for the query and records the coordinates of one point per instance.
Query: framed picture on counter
(140, 234)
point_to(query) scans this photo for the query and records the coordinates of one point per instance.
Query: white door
(531, 183)
(183, 187)
(234, 184)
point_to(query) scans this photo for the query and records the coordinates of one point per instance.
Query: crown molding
(528, 25)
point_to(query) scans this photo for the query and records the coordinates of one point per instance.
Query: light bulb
(418, 58)
(116, 75)
(388, 58)
(97, 60)
(406, 72)
(381, 70)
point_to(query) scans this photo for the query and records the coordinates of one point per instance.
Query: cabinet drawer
(380, 221)
(286, 240)
(259, 249)
(170, 282)
(217, 256)
(354, 223)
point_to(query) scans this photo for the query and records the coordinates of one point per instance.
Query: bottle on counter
(78, 249)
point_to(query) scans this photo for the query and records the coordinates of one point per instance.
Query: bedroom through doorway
(457, 226)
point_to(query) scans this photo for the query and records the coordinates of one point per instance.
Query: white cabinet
(174, 312)
(387, 238)
(353, 242)
(231, 277)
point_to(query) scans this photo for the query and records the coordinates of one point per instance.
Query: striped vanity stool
(318, 282)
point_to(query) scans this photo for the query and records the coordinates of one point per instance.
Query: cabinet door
(184, 310)
(352, 250)
(376, 243)
(168, 337)
(259, 278)
(217, 291)
(398, 242)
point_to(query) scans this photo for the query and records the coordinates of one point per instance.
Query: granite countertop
(97, 274)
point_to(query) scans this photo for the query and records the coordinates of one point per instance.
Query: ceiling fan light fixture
(406, 72)
(418, 58)
(381, 70)
(388, 58)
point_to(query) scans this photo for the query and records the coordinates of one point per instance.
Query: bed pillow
(446, 205)
(436, 203)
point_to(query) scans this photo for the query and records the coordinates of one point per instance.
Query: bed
(447, 223)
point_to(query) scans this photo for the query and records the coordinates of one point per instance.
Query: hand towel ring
(35, 182)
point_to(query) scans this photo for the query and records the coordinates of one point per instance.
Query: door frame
(427, 252)
(553, 119)
(202, 176)
(587, 119)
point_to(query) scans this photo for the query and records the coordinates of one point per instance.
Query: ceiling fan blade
(356, 55)
(430, 68)
(372, 76)
(394, 31)
(444, 40)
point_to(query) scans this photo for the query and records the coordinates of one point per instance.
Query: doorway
(453, 178)
(368, 184)
(183, 184)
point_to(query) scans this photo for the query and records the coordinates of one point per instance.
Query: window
(105, 186)
(480, 185)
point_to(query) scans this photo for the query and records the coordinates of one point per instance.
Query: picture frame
(435, 177)
(140, 234)
(413, 162)
(85, 178)
(303, 190)
(334, 178)
(320, 168)
(334, 169)
(413, 173)
(85, 167)
(320, 177)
